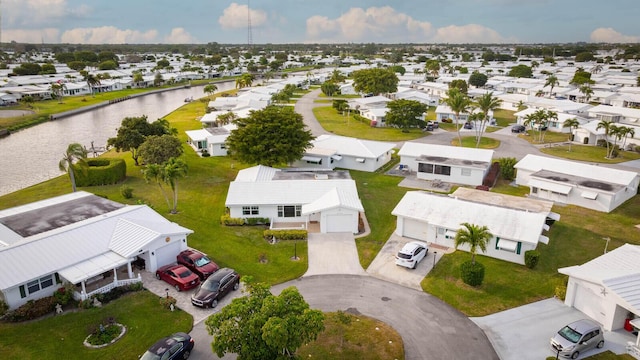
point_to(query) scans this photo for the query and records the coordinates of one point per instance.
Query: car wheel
(177, 288)
(601, 344)
(157, 276)
(415, 263)
(186, 354)
(575, 355)
(236, 286)
(214, 303)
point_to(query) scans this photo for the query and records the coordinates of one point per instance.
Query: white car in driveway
(411, 254)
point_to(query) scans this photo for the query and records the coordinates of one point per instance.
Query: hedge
(531, 258)
(100, 172)
(286, 234)
(472, 273)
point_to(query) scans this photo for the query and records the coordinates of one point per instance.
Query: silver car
(411, 254)
(576, 338)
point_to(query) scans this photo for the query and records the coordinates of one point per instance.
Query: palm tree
(552, 81)
(240, 82)
(572, 124)
(547, 117)
(596, 69)
(75, 153)
(486, 103)
(57, 89)
(587, 91)
(156, 172)
(477, 237)
(459, 103)
(210, 89)
(533, 121)
(606, 125)
(92, 81)
(626, 132)
(173, 170)
(138, 78)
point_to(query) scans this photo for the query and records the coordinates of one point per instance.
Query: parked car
(178, 276)
(216, 287)
(518, 129)
(175, 346)
(468, 125)
(197, 262)
(577, 338)
(411, 254)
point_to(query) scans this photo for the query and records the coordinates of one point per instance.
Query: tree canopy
(159, 149)
(263, 326)
(460, 85)
(375, 81)
(478, 79)
(521, 71)
(271, 136)
(75, 153)
(330, 88)
(405, 113)
(133, 131)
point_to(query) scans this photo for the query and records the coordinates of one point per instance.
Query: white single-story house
(329, 198)
(211, 139)
(376, 116)
(553, 125)
(517, 224)
(616, 114)
(334, 151)
(444, 113)
(594, 187)
(82, 239)
(451, 164)
(607, 288)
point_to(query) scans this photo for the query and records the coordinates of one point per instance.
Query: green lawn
(470, 142)
(504, 117)
(532, 136)
(345, 125)
(589, 153)
(61, 337)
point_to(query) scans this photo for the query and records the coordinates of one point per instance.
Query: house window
(534, 190)
(289, 211)
(442, 170)
(223, 146)
(39, 284)
(465, 172)
(250, 210)
(425, 168)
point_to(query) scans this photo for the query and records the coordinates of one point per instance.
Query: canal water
(31, 156)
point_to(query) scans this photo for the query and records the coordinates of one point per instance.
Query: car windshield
(150, 356)
(202, 261)
(185, 274)
(404, 256)
(570, 334)
(211, 285)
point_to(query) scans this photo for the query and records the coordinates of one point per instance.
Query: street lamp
(167, 290)
(435, 255)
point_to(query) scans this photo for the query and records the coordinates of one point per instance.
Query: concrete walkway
(333, 253)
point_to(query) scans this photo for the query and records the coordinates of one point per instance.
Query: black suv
(216, 287)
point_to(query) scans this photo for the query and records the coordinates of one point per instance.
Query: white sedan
(411, 254)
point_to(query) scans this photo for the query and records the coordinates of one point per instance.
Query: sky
(319, 21)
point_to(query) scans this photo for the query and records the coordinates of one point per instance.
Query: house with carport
(517, 224)
(81, 239)
(594, 187)
(607, 288)
(326, 200)
(334, 151)
(452, 164)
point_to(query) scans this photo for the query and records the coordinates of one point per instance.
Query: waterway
(31, 156)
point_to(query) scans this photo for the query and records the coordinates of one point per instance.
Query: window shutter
(497, 241)
(518, 248)
(58, 279)
(23, 293)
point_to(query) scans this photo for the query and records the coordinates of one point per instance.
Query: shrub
(100, 172)
(64, 294)
(117, 292)
(205, 153)
(258, 221)
(286, 234)
(3, 308)
(472, 273)
(85, 304)
(126, 192)
(229, 221)
(531, 258)
(166, 302)
(507, 170)
(33, 309)
(561, 292)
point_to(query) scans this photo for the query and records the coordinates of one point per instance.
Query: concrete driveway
(333, 253)
(384, 265)
(429, 328)
(524, 332)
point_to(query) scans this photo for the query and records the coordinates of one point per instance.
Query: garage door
(340, 223)
(589, 303)
(167, 254)
(415, 229)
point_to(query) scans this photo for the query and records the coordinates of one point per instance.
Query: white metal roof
(256, 173)
(352, 146)
(618, 270)
(450, 212)
(452, 152)
(536, 163)
(334, 198)
(92, 267)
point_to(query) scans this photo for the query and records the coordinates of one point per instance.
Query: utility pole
(249, 32)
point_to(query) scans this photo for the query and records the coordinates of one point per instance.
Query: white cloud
(375, 24)
(609, 35)
(235, 17)
(47, 35)
(33, 13)
(384, 24)
(108, 35)
(179, 36)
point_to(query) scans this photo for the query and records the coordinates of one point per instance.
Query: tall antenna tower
(249, 33)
